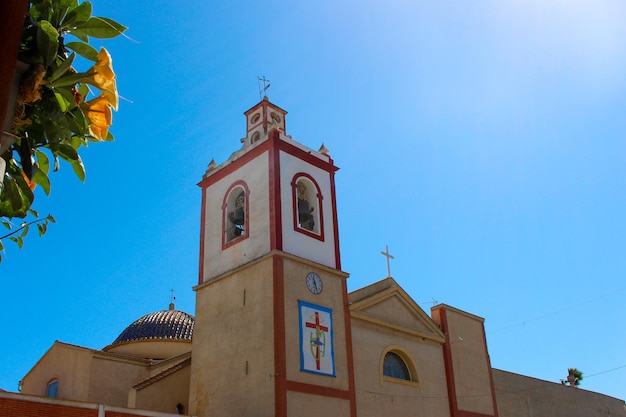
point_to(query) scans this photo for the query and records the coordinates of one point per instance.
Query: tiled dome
(160, 325)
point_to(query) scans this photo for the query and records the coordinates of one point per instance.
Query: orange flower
(100, 116)
(101, 75)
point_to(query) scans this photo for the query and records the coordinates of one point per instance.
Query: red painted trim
(202, 236)
(333, 202)
(276, 221)
(349, 354)
(262, 102)
(447, 359)
(234, 166)
(307, 157)
(317, 390)
(246, 191)
(464, 413)
(280, 355)
(320, 207)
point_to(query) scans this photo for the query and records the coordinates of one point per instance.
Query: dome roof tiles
(160, 325)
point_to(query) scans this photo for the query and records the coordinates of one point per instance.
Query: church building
(275, 331)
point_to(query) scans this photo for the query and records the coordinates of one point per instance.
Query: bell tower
(272, 332)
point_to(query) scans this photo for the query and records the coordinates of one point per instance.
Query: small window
(236, 213)
(395, 367)
(53, 387)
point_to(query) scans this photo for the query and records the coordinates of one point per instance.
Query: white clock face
(314, 282)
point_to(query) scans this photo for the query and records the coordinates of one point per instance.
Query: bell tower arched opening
(235, 214)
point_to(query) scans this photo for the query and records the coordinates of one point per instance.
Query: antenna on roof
(266, 85)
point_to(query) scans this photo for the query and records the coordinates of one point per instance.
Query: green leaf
(42, 10)
(47, 41)
(12, 200)
(101, 28)
(1, 248)
(63, 103)
(83, 49)
(6, 224)
(70, 79)
(67, 3)
(42, 161)
(62, 69)
(77, 16)
(41, 179)
(25, 230)
(16, 197)
(51, 218)
(67, 94)
(79, 169)
(68, 153)
(77, 141)
(80, 34)
(26, 194)
(77, 122)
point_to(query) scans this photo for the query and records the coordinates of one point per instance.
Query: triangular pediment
(386, 304)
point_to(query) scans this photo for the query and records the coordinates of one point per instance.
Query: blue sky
(483, 141)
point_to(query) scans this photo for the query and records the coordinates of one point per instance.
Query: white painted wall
(295, 242)
(216, 261)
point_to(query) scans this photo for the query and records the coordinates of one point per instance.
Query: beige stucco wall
(85, 375)
(470, 360)
(331, 297)
(381, 397)
(304, 405)
(110, 380)
(165, 394)
(523, 396)
(233, 345)
(69, 364)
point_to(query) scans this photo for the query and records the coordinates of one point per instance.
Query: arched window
(395, 367)
(308, 214)
(53, 388)
(235, 213)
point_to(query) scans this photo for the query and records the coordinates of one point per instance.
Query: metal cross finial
(172, 297)
(266, 85)
(387, 255)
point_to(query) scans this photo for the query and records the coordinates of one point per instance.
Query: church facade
(276, 332)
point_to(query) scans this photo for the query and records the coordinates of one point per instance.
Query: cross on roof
(387, 255)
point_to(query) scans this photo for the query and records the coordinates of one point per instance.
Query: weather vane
(266, 85)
